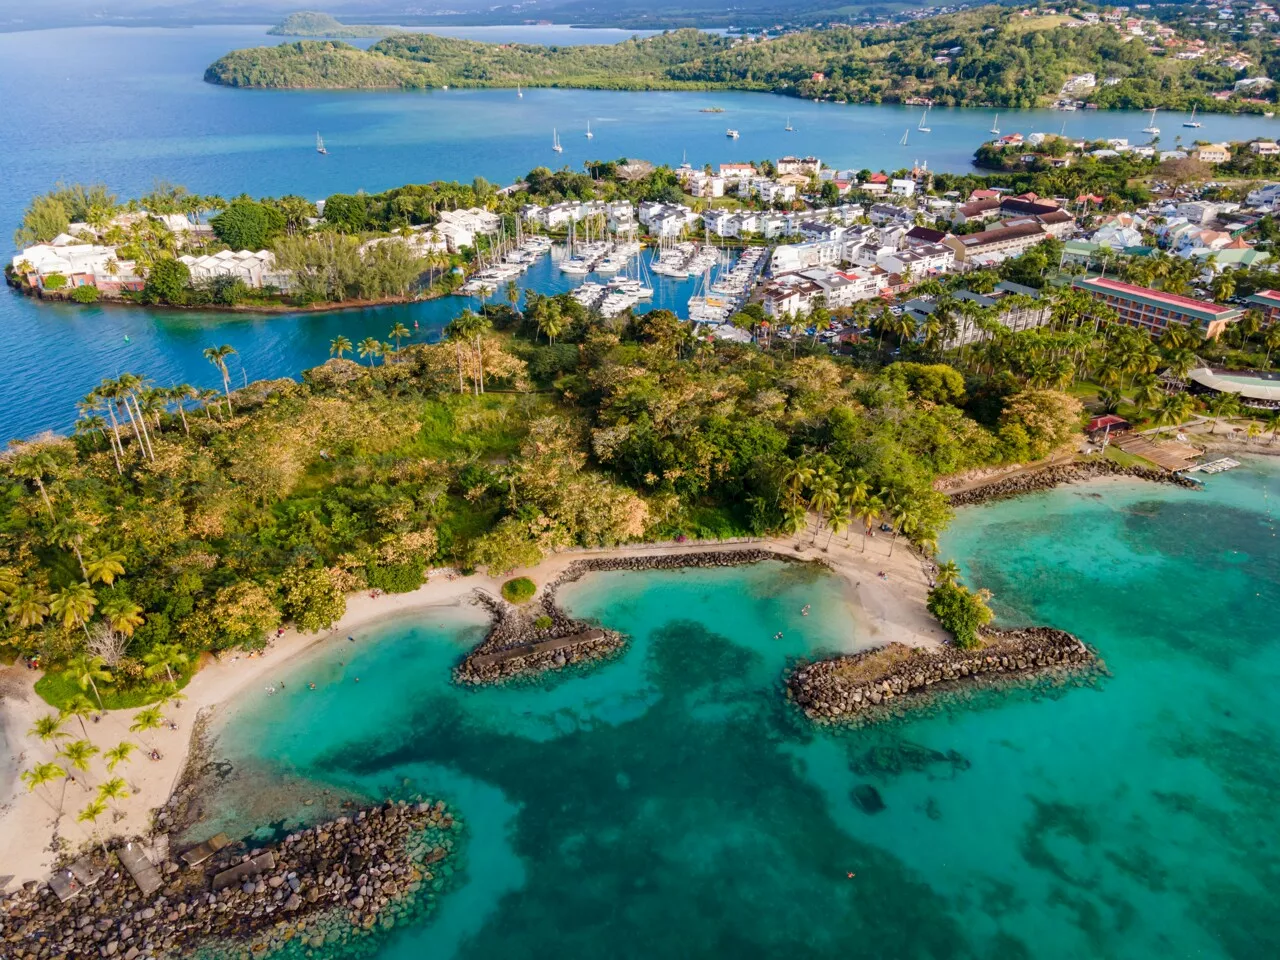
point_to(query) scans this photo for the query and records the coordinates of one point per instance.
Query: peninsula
(992, 56)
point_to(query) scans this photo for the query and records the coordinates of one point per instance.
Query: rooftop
(1200, 308)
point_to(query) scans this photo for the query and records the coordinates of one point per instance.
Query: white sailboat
(923, 117)
(903, 141)
(320, 145)
(1192, 122)
(589, 133)
(788, 128)
(995, 126)
(555, 141)
(519, 92)
(1151, 123)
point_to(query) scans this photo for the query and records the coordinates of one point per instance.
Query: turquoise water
(668, 804)
(128, 106)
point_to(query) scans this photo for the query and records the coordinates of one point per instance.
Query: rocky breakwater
(331, 884)
(529, 640)
(862, 686)
(1060, 474)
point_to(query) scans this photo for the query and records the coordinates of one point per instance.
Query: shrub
(55, 281)
(395, 577)
(543, 622)
(960, 611)
(168, 281)
(85, 294)
(519, 590)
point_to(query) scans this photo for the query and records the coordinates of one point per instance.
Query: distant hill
(308, 23)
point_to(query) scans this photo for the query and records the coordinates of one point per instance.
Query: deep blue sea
(127, 106)
(667, 803)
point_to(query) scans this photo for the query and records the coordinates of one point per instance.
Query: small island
(308, 23)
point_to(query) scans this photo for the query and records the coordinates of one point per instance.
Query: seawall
(541, 636)
(328, 884)
(1059, 474)
(862, 685)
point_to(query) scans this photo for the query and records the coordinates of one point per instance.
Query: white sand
(885, 610)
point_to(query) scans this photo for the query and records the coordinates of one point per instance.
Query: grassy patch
(58, 689)
(459, 427)
(704, 522)
(519, 590)
(1126, 459)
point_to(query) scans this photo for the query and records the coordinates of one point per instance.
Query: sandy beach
(884, 610)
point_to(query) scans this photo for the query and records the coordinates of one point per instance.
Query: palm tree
(948, 573)
(836, 523)
(128, 385)
(1273, 423)
(146, 720)
(78, 707)
(1271, 340)
(370, 347)
(218, 357)
(1223, 405)
(27, 606)
(87, 672)
(35, 466)
(48, 728)
(794, 522)
(122, 614)
(869, 512)
(41, 775)
(338, 346)
(825, 495)
(399, 332)
(122, 752)
(796, 478)
(78, 753)
(178, 396)
(90, 814)
(113, 791)
(905, 521)
(104, 567)
(69, 532)
(74, 605)
(163, 658)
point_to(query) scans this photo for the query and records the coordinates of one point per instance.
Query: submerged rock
(868, 798)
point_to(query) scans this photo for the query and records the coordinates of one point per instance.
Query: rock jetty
(329, 884)
(541, 636)
(1060, 474)
(862, 686)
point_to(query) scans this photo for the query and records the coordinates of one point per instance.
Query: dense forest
(987, 56)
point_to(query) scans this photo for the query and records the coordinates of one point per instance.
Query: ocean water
(128, 106)
(668, 802)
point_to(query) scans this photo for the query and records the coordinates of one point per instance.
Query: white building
(902, 188)
(921, 261)
(254, 269)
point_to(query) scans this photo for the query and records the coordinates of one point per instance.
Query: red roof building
(1155, 310)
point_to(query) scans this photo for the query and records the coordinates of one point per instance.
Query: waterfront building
(1265, 148)
(796, 165)
(1212, 153)
(1155, 310)
(796, 293)
(1258, 390)
(254, 269)
(78, 263)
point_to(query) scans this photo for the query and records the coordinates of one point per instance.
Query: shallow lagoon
(668, 803)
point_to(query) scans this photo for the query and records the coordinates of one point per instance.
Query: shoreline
(1052, 475)
(884, 610)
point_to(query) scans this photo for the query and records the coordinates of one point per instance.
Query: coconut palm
(869, 512)
(338, 346)
(795, 520)
(838, 522)
(796, 478)
(1223, 405)
(179, 395)
(78, 707)
(122, 614)
(948, 573)
(370, 347)
(164, 658)
(74, 605)
(70, 532)
(104, 567)
(399, 332)
(87, 671)
(78, 753)
(122, 752)
(218, 357)
(113, 791)
(27, 606)
(35, 466)
(48, 728)
(1271, 340)
(145, 721)
(824, 497)
(90, 814)
(41, 775)
(905, 520)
